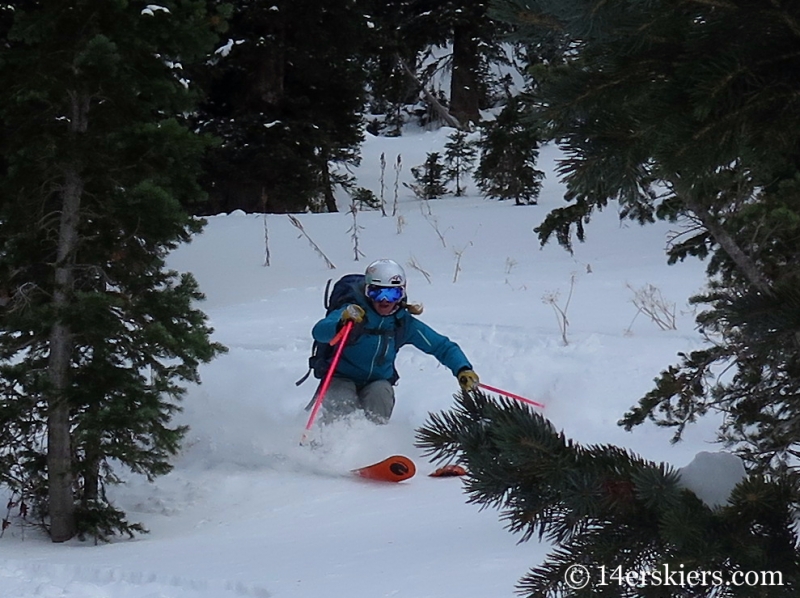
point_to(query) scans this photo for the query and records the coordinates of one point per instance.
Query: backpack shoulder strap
(344, 291)
(327, 297)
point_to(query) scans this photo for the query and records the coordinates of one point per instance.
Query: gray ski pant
(375, 399)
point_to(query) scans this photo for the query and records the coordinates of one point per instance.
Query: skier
(383, 322)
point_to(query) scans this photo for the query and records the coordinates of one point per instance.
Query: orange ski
(392, 469)
(448, 471)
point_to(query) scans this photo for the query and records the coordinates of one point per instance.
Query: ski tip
(392, 469)
(448, 471)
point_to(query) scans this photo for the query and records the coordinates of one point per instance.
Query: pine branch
(604, 506)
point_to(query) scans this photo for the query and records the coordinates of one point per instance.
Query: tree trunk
(270, 70)
(728, 244)
(59, 448)
(327, 184)
(429, 97)
(91, 474)
(464, 89)
(59, 442)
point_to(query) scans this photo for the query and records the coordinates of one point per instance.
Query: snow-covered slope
(249, 512)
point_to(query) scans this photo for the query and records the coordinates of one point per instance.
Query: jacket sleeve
(426, 339)
(324, 330)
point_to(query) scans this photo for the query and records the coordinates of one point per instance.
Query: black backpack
(345, 290)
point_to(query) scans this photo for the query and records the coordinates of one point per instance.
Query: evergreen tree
(364, 199)
(476, 41)
(391, 92)
(96, 336)
(687, 113)
(429, 177)
(759, 332)
(611, 513)
(509, 150)
(286, 97)
(459, 156)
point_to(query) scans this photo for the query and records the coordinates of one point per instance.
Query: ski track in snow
(81, 581)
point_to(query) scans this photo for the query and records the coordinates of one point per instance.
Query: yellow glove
(352, 313)
(468, 380)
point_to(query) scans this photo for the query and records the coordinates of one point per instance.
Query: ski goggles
(390, 294)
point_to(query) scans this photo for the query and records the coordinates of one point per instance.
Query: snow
(225, 49)
(151, 9)
(248, 512)
(712, 476)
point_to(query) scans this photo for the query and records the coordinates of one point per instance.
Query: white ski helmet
(385, 273)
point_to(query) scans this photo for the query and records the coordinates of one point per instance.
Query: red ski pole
(511, 394)
(340, 339)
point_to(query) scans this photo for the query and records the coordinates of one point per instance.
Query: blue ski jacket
(373, 344)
